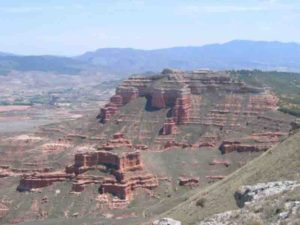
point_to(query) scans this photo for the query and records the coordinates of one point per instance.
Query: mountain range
(237, 54)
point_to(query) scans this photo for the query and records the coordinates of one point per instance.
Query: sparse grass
(285, 85)
(282, 164)
(255, 222)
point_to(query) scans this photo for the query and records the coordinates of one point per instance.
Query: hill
(279, 163)
(55, 64)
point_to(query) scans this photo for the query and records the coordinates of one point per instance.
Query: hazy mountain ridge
(238, 54)
(41, 63)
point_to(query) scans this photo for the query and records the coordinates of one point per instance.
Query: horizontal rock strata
(118, 162)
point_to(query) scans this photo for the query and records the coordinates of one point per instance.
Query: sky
(72, 27)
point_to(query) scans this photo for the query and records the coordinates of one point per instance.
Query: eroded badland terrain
(177, 144)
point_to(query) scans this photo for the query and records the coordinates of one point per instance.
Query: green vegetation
(285, 84)
(291, 111)
(201, 202)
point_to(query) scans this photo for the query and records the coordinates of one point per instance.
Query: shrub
(201, 202)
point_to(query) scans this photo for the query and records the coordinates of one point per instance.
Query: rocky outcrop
(123, 161)
(220, 162)
(124, 94)
(215, 177)
(181, 110)
(117, 100)
(174, 89)
(125, 166)
(107, 112)
(40, 180)
(117, 141)
(173, 143)
(166, 221)
(253, 143)
(258, 192)
(264, 203)
(169, 127)
(60, 145)
(119, 163)
(126, 183)
(268, 101)
(188, 181)
(127, 94)
(81, 181)
(231, 146)
(158, 99)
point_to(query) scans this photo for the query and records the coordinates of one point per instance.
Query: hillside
(159, 140)
(279, 163)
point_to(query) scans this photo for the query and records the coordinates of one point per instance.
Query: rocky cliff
(219, 105)
(118, 161)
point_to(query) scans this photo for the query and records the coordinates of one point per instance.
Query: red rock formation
(253, 143)
(107, 112)
(188, 181)
(208, 142)
(140, 147)
(117, 100)
(127, 183)
(122, 162)
(170, 144)
(266, 101)
(117, 141)
(158, 99)
(118, 203)
(82, 181)
(169, 127)
(230, 146)
(122, 97)
(217, 177)
(118, 136)
(220, 162)
(127, 93)
(127, 171)
(39, 180)
(181, 110)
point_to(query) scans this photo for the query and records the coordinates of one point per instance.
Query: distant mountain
(5, 54)
(56, 64)
(238, 54)
(231, 55)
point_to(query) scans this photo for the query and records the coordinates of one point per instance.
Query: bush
(293, 112)
(201, 202)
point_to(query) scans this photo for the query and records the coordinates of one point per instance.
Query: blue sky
(71, 27)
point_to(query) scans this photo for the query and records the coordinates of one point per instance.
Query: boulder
(251, 194)
(166, 221)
